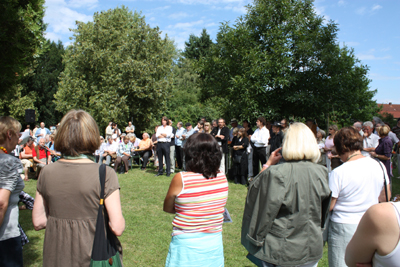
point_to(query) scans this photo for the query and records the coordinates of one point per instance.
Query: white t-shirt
(356, 185)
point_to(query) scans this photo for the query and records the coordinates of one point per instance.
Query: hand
(275, 157)
(329, 156)
(373, 154)
(222, 137)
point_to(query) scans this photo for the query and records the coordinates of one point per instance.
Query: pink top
(329, 145)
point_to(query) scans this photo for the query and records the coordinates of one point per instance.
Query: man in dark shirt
(221, 133)
(277, 137)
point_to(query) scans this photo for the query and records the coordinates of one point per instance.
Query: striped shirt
(200, 205)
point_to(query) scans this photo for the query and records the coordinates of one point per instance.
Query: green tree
(44, 82)
(118, 67)
(184, 102)
(197, 47)
(281, 60)
(21, 37)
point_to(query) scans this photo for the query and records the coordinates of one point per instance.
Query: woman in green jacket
(287, 205)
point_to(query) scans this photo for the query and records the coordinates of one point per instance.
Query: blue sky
(371, 27)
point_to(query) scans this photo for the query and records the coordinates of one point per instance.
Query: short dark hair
(262, 120)
(165, 118)
(202, 154)
(347, 139)
(77, 134)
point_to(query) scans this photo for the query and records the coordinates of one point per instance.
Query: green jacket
(285, 213)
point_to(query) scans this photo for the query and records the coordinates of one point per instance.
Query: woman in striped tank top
(197, 198)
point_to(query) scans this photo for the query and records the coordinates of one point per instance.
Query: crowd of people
(304, 188)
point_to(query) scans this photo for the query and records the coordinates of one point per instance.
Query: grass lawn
(148, 229)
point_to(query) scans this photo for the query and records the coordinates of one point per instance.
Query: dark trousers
(163, 151)
(145, 155)
(117, 162)
(259, 154)
(179, 156)
(11, 252)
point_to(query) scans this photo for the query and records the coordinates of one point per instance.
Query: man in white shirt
(371, 140)
(260, 140)
(110, 151)
(164, 135)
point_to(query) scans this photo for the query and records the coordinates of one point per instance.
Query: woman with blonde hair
(68, 192)
(207, 127)
(287, 204)
(383, 151)
(11, 184)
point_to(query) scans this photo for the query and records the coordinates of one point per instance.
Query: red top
(42, 153)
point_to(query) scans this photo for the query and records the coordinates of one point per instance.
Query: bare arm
(4, 198)
(273, 159)
(377, 231)
(113, 207)
(382, 195)
(333, 203)
(39, 213)
(174, 189)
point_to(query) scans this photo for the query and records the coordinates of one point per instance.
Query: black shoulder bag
(105, 250)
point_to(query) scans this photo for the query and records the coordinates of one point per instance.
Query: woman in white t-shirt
(356, 185)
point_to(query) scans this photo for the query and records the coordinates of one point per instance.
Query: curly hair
(202, 155)
(347, 139)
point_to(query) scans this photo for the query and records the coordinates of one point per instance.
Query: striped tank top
(200, 205)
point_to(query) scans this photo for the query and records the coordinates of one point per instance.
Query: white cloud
(341, 3)
(53, 36)
(60, 19)
(179, 15)
(364, 10)
(82, 3)
(376, 7)
(361, 10)
(186, 25)
(371, 57)
(320, 11)
(380, 77)
(352, 44)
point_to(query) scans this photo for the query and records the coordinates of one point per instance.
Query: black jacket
(224, 142)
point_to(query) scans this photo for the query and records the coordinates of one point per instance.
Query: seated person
(54, 154)
(145, 147)
(100, 151)
(124, 154)
(26, 156)
(41, 156)
(110, 151)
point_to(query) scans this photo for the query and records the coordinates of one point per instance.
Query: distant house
(390, 108)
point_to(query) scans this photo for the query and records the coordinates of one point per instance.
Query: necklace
(4, 149)
(352, 156)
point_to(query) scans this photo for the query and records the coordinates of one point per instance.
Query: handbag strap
(384, 180)
(102, 172)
